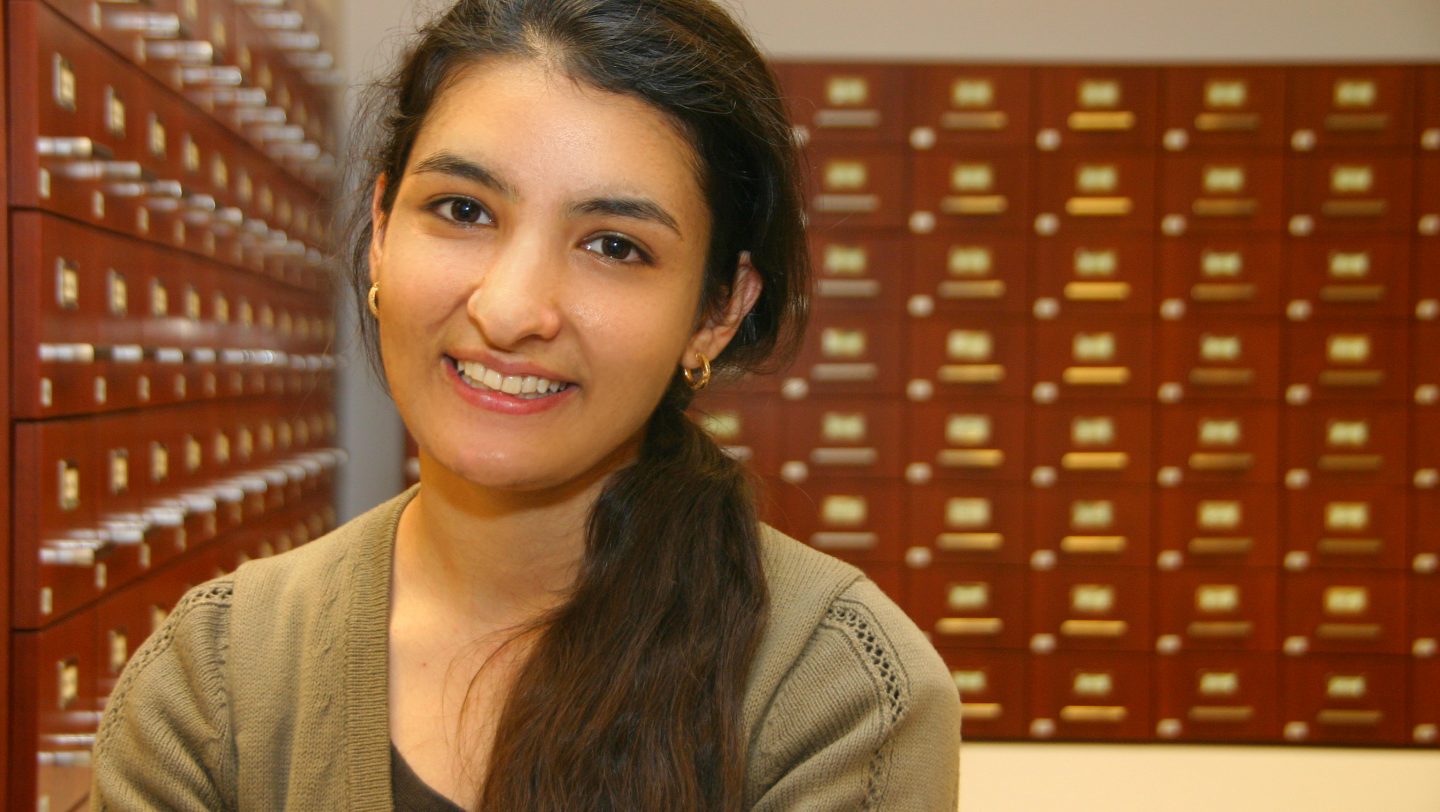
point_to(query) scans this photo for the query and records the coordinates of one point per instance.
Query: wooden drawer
(1343, 360)
(1089, 525)
(1232, 442)
(1223, 106)
(849, 353)
(1093, 357)
(1095, 442)
(993, 689)
(1095, 274)
(963, 523)
(969, 190)
(977, 439)
(1216, 610)
(1090, 608)
(1354, 277)
(1222, 191)
(1351, 526)
(1217, 525)
(979, 105)
(974, 606)
(844, 436)
(1091, 696)
(747, 428)
(54, 713)
(859, 273)
(1351, 106)
(1096, 191)
(1425, 701)
(1218, 696)
(1097, 106)
(1340, 699)
(857, 187)
(859, 520)
(1335, 611)
(975, 355)
(1347, 191)
(1206, 276)
(1345, 444)
(846, 103)
(970, 273)
(1219, 357)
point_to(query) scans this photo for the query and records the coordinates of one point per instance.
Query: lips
(527, 387)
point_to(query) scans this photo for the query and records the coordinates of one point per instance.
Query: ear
(378, 222)
(714, 335)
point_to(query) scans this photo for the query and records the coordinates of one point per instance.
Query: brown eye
(465, 211)
(615, 248)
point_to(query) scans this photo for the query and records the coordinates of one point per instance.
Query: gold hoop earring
(701, 381)
(374, 300)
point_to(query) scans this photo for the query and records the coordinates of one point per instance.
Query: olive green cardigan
(267, 690)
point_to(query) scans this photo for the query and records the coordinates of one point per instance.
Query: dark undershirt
(410, 793)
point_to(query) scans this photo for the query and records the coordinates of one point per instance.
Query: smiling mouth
(526, 387)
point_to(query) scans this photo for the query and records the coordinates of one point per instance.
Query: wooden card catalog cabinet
(1091, 357)
(979, 442)
(977, 354)
(1216, 610)
(965, 191)
(1349, 278)
(858, 187)
(1095, 274)
(1233, 442)
(866, 274)
(1343, 611)
(993, 685)
(836, 103)
(1089, 524)
(1348, 360)
(1357, 525)
(1089, 608)
(1090, 696)
(981, 606)
(1360, 192)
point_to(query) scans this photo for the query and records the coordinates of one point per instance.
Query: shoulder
(848, 703)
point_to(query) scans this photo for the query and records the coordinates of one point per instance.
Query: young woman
(580, 213)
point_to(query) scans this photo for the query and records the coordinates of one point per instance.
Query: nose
(517, 298)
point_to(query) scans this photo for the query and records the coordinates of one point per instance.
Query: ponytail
(631, 695)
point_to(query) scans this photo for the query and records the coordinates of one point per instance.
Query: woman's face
(540, 273)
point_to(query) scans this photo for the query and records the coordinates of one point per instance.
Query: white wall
(1025, 776)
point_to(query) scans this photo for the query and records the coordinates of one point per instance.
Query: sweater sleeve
(867, 718)
(164, 741)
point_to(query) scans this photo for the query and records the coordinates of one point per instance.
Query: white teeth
(476, 374)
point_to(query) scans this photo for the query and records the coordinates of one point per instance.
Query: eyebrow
(634, 208)
(448, 163)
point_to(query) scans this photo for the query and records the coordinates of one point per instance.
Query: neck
(498, 558)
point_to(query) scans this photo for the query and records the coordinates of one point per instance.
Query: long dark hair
(631, 695)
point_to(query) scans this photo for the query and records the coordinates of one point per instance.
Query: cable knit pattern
(269, 690)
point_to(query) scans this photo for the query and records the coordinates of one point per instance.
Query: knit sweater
(267, 690)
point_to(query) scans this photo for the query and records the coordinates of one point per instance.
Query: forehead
(532, 121)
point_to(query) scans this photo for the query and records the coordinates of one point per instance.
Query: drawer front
(1424, 589)
(1096, 442)
(828, 435)
(1341, 192)
(1344, 612)
(1351, 106)
(1091, 695)
(1340, 443)
(1096, 274)
(854, 519)
(1209, 276)
(1090, 525)
(1336, 277)
(859, 187)
(849, 354)
(968, 355)
(971, 105)
(1219, 357)
(971, 189)
(960, 523)
(747, 428)
(846, 103)
(861, 273)
(1346, 526)
(979, 439)
(1344, 699)
(1222, 192)
(1099, 191)
(1425, 702)
(1218, 696)
(1090, 608)
(55, 714)
(970, 273)
(1347, 360)
(1217, 610)
(971, 606)
(1222, 442)
(993, 687)
(1223, 107)
(1093, 357)
(1097, 106)
(1218, 525)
